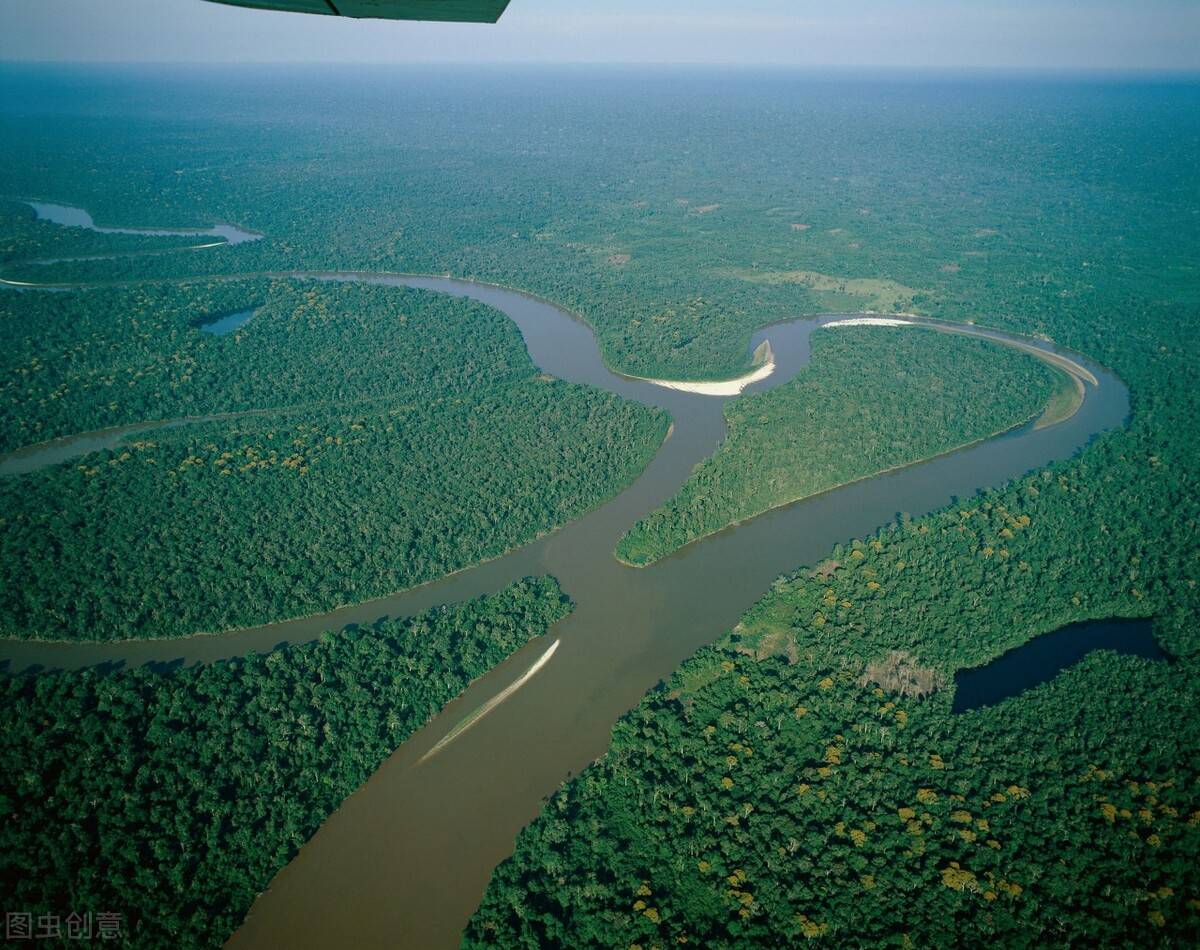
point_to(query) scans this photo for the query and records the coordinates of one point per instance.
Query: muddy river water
(404, 861)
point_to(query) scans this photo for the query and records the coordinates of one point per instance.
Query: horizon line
(1191, 71)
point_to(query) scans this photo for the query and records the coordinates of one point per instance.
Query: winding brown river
(404, 861)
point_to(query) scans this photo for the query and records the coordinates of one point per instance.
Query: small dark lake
(1044, 657)
(221, 324)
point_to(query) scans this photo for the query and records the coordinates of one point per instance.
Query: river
(79, 218)
(405, 859)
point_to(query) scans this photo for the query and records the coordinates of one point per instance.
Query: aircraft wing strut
(460, 11)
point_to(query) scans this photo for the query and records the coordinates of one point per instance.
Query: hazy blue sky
(1117, 34)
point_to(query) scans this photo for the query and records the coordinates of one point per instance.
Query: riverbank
(404, 860)
(728, 387)
(890, 399)
(1066, 401)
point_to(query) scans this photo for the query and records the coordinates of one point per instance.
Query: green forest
(23, 238)
(956, 199)
(84, 360)
(177, 795)
(804, 778)
(414, 437)
(873, 398)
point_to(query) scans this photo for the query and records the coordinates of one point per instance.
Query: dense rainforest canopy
(768, 791)
(675, 213)
(175, 796)
(24, 238)
(873, 398)
(797, 781)
(410, 437)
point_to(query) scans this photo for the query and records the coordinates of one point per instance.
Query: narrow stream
(404, 861)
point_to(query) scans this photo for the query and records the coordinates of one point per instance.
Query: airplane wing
(464, 11)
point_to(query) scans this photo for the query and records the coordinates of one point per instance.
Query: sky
(1037, 34)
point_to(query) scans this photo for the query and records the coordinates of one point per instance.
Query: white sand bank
(723, 387)
(869, 322)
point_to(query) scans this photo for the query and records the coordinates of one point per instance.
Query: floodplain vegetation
(174, 796)
(388, 437)
(767, 793)
(873, 398)
(805, 778)
(24, 238)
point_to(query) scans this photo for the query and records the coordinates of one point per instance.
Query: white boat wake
(491, 704)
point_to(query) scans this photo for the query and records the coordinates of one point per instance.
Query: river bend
(405, 859)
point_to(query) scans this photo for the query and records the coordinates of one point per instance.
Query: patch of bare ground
(776, 643)
(705, 209)
(825, 570)
(875, 293)
(900, 672)
(985, 233)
